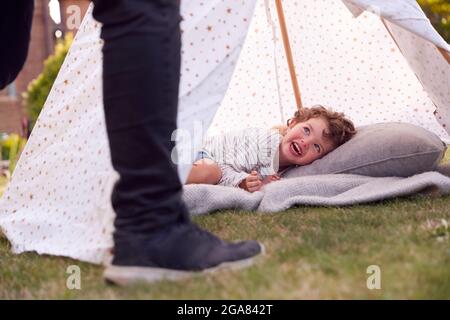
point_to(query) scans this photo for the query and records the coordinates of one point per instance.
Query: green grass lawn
(312, 253)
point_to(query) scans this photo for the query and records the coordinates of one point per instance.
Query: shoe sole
(126, 276)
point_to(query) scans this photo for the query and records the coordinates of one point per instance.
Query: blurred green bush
(39, 89)
(438, 11)
(11, 147)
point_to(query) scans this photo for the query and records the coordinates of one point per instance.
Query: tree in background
(438, 11)
(39, 89)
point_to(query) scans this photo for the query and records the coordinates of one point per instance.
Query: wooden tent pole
(287, 49)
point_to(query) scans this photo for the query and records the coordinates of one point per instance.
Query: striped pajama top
(238, 153)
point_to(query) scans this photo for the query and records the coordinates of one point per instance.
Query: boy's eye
(306, 130)
(317, 148)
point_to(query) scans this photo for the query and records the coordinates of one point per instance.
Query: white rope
(275, 40)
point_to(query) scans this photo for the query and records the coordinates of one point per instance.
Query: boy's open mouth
(295, 149)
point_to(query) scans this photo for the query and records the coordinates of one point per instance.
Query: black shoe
(174, 253)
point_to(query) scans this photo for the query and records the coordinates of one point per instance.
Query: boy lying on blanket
(253, 157)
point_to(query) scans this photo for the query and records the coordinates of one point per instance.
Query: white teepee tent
(387, 66)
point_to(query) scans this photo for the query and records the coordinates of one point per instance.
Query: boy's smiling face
(305, 142)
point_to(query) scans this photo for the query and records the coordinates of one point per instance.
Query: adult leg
(154, 237)
(15, 28)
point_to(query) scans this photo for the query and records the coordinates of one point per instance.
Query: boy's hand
(251, 183)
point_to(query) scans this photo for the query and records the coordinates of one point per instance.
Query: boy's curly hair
(340, 129)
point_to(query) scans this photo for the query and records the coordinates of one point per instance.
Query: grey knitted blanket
(322, 190)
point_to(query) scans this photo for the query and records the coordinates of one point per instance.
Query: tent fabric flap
(404, 13)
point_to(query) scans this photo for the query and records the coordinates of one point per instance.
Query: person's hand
(270, 179)
(252, 183)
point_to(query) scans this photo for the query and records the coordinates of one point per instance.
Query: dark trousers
(141, 70)
(15, 29)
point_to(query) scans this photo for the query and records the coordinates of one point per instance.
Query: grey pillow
(380, 150)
